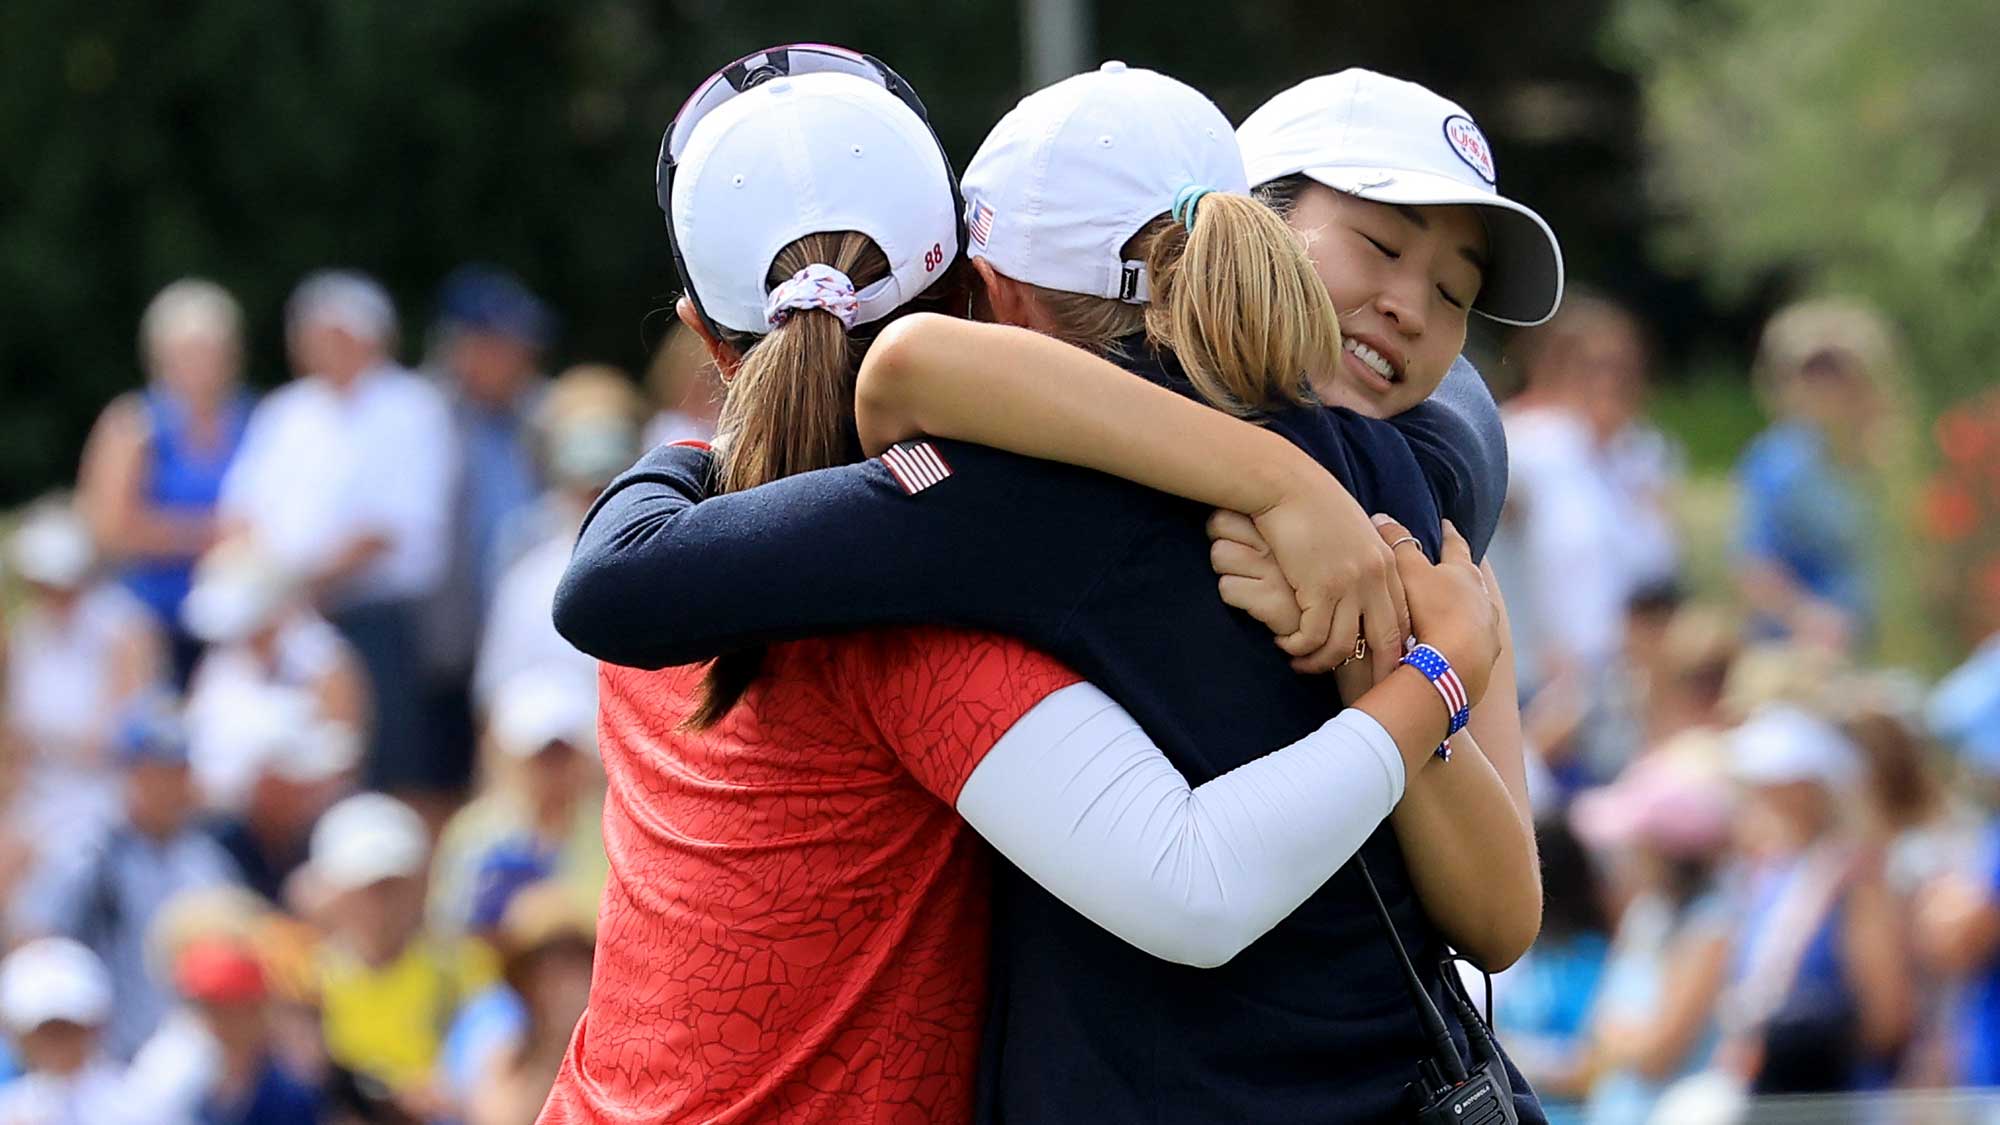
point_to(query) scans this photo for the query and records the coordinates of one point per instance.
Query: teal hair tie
(1186, 201)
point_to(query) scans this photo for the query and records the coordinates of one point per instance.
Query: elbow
(585, 614)
(882, 400)
(1506, 937)
(1201, 935)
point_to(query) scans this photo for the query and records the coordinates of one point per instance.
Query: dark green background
(251, 142)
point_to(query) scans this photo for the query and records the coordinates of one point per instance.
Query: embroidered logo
(981, 226)
(916, 465)
(1470, 145)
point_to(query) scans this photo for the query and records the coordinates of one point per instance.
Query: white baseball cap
(1073, 171)
(53, 978)
(52, 547)
(1781, 744)
(805, 154)
(543, 706)
(1392, 141)
(238, 588)
(365, 839)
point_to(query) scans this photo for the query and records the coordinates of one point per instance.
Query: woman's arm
(663, 573)
(1467, 830)
(1696, 970)
(111, 485)
(1877, 963)
(1468, 834)
(1015, 389)
(1082, 801)
(1077, 796)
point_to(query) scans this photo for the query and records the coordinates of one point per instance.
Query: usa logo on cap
(1470, 145)
(981, 226)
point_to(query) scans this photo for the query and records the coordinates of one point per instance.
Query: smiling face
(1403, 280)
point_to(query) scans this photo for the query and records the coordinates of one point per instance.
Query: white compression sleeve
(1079, 798)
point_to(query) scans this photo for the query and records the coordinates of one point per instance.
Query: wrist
(1431, 662)
(1277, 471)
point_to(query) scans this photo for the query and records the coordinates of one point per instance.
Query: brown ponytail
(1236, 300)
(788, 409)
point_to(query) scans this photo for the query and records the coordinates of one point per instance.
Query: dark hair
(1572, 902)
(1282, 194)
(789, 408)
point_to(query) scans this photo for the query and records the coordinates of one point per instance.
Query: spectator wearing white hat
(154, 464)
(263, 638)
(54, 999)
(106, 892)
(386, 987)
(1819, 996)
(77, 651)
(296, 763)
(345, 477)
(540, 817)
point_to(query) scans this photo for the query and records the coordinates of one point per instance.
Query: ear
(1004, 300)
(726, 358)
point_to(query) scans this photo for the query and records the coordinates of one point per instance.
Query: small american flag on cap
(981, 224)
(916, 465)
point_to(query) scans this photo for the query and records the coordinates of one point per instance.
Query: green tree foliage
(1846, 145)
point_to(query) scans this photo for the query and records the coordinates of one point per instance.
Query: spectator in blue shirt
(154, 464)
(1807, 516)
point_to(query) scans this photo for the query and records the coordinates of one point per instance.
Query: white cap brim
(1524, 281)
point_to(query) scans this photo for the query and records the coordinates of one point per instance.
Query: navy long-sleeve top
(1311, 1023)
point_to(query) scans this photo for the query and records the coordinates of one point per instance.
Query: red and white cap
(1073, 171)
(1392, 141)
(807, 154)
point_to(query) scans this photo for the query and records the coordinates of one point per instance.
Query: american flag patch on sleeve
(916, 465)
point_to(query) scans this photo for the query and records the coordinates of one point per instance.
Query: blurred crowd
(303, 802)
(302, 794)
(1772, 864)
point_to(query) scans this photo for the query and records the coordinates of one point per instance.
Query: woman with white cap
(786, 927)
(78, 651)
(1393, 188)
(54, 996)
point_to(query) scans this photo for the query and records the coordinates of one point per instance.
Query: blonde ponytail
(789, 408)
(1236, 299)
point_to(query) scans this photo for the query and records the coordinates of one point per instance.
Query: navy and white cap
(1392, 141)
(1073, 171)
(808, 154)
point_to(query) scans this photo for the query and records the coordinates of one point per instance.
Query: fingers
(1381, 621)
(1272, 605)
(1339, 644)
(1235, 526)
(1389, 529)
(1227, 556)
(1399, 598)
(1315, 624)
(1456, 549)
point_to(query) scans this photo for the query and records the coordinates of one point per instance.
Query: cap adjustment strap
(818, 286)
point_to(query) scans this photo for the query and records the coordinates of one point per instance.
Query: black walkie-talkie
(1444, 1091)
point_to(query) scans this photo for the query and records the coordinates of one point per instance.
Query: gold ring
(1360, 650)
